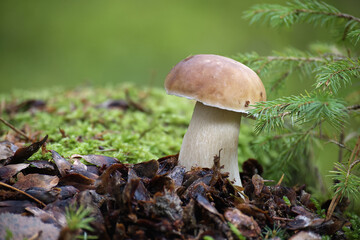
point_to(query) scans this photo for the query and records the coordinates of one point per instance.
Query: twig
(15, 129)
(280, 180)
(282, 219)
(341, 145)
(354, 107)
(22, 192)
(339, 15)
(341, 141)
(328, 81)
(335, 200)
(132, 103)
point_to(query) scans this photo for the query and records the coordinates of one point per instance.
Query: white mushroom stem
(210, 130)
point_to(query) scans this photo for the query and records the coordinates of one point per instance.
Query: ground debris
(22, 154)
(157, 199)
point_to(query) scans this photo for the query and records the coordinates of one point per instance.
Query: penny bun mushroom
(224, 90)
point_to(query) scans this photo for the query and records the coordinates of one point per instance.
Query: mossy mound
(126, 122)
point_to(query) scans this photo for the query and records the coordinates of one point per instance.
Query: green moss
(130, 135)
(353, 231)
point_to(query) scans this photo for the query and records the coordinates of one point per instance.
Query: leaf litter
(156, 199)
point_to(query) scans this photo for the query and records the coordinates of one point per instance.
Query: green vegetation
(353, 232)
(236, 231)
(321, 212)
(76, 218)
(9, 235)
(327, 111)
(275, 232)
(208, 238)
(77, 124)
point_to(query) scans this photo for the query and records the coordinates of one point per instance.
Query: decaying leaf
(98, 160)
(258, 183)
(147, 169)
(246, 225)
(118, 104)
(77, 180)
(22, 154)
(61, 163)
(36, 180)
(44, 195)
(42, 167)
(10, 170)
(7, 150)
(166, 204)
(305, 235)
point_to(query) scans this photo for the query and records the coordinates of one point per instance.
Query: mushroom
(224, 90)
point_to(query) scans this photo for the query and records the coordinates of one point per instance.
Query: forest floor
(102, 164)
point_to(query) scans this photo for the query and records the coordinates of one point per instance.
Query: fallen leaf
(246, 225)
(77, 180)
(10, 170)
(22, 154)
(7, 149)
(98, 160)
(119, 104)
(202, 201)
(61, 163)
(166, 204)
(36, 180)
(304, 235)
(43, 167)
(146, 169)
(258, 183)
(44, 195)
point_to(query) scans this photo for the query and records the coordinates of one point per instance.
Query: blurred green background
(67, 43)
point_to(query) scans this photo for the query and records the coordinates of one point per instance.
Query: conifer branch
(347, 183)
(305, 119)
(333, 69)
(301, 109)
(291, 57)
(335, 74)
(309, 11)
(354, 35)
(297, 11)
(335, 14)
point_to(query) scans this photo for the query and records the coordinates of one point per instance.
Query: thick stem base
(210, 130)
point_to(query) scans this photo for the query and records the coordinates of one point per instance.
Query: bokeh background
(66, 43)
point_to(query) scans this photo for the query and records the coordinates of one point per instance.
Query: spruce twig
(339, 193)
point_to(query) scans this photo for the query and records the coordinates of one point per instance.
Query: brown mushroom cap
(216, 81)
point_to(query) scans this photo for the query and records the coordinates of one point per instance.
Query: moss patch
(145, 123)
(80, 121)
